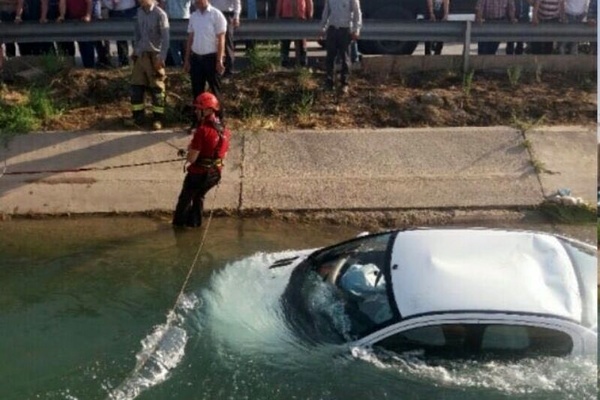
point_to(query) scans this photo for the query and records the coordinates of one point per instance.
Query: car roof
(483, 270)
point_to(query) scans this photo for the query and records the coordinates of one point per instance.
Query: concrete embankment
(359, 170)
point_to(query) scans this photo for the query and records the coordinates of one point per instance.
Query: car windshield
(356, 271)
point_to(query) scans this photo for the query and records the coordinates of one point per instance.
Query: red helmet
(206, 100)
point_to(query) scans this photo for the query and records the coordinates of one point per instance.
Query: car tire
(386, 46)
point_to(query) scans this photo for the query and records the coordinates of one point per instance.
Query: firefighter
(151, 44)
(205, 156)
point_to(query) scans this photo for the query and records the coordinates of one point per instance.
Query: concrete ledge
(387, 65)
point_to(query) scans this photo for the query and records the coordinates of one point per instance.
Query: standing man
(341, 22)
(575, 12)
(151, 43)
(290, 10)
(493, 10)
(205, 156)
(205, 50)
(176, 9)
(80, 10)
(546, 11)
(231, 9)
(121, 9)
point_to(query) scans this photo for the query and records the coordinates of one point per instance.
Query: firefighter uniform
(211, 140)
(151, 44)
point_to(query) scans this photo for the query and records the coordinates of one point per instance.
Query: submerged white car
(449, 293)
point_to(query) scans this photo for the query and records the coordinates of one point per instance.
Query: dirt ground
(282, 99)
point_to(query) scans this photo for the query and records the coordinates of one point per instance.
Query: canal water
(85, 314)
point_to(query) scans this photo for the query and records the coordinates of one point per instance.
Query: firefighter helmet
(206, 100)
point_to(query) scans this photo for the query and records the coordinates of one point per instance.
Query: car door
(501, 336)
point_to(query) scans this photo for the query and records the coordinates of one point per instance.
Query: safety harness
(215, 161)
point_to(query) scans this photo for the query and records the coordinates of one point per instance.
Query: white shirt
(576, 7)
(119, 5)
(206, 26)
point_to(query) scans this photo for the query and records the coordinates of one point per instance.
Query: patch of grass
(263, 58)
(52, 64)
(582, 213)
(27, 116)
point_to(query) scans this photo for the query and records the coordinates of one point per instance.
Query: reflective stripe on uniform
(137, 107)
(158, 110)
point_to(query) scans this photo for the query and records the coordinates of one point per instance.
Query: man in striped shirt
(546, 11)
(493, 10)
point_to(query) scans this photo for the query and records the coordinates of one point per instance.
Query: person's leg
(229, 47)
(284, 52)
(344, 40)
(301, 54)
(331, 49)
(214, 81)
(86, 49)
(180, 216)
(208, 181)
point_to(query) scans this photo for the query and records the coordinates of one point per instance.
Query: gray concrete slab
(389, 169)
(147, 174)
(568, 154)
(298, 170)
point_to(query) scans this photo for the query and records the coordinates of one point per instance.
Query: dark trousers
(543, 47)
(190, 203)
(123, 45)
(229, 44)
(487, 48)
(299, 50)
(10, 47)
(203, 70)
(86, 49)
(337, 44)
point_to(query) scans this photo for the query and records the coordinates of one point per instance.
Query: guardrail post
(467, 47)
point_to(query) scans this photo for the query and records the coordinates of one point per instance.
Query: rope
(171, 314)
(85, 169)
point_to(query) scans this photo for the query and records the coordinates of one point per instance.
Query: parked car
(397, 10)
(449, 293)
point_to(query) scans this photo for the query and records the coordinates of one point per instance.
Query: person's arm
(220, 52)
(137, 36)
(479, 11)
(324, 19)
(19, 11)
(310, 9)
(278, 6)
(430, 11)
(511, 11)
(561, 11)
(446, 7)
(237, 10)
(165, 38)
(188, 52)
(192, 155)
(356, 19)
(44, 11)
(88, 11)
(534, 14)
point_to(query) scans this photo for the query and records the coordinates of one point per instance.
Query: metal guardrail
(465, 32)
(448, 31)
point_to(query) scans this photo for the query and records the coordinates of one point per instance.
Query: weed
(538, 72)
(42, 105)
(581, 213)
(525, 125)
(538, 166)
(514, 75)
(527, 145)
(304, 104)
(263, 58)
(467, 82)
(53, 63)
(303, 77)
